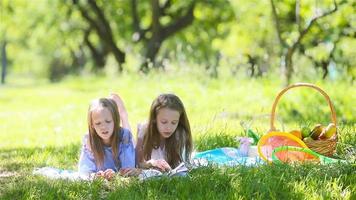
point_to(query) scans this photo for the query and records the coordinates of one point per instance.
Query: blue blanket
(226, 156)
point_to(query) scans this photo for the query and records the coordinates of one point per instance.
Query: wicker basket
(325, 147)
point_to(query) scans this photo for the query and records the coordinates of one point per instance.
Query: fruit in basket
(307, 139)
(328, 132)
(296, 133)
(317, 130)
(305, 131)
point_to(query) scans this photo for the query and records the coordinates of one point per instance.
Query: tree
(289, 49)
(97, 21)
(328, 47)
(201, 44)
(156, 33)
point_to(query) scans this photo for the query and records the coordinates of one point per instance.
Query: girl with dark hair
(166, 140)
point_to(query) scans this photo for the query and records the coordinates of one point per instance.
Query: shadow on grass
(263, 182)
(35, 187)
(26, 158)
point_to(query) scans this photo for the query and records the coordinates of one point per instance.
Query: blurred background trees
(294, 38)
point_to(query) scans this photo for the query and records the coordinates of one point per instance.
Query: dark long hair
(181, 138)
(95, 142)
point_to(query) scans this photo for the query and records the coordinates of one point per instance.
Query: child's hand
(109, 174)
(129, 171)
(161, 164)
(99, 174)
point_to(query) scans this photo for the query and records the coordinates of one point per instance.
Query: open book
(180, 170)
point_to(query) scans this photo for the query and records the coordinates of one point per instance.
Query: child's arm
(127, 156)
(161, 164)
(122, 111)
(127, 150)
(86, 161)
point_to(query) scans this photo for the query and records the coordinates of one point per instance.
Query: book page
(180, 168)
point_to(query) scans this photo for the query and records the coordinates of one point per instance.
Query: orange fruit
(296, 133)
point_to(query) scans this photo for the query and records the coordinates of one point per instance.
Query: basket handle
(332, 115)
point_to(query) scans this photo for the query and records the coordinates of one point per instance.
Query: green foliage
(211, 24)
(47, 39)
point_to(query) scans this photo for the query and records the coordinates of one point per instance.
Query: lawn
(42, 124)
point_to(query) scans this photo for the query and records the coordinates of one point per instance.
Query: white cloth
(55, 173)
(158, 154)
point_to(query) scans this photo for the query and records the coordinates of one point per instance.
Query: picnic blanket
(226, 156)
(55, 173)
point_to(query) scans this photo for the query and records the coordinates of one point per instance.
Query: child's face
(103, 124)
(167, 121)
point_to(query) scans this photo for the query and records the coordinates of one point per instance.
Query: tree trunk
(153, 46)
(324, 66)
(288, 61)
(3, 62)
(105, 33)
(158, 32)
(252, 61)
(101, 25)
(118, 54)
(98, 54)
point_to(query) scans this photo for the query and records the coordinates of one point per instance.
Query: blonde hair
(95, 142)
(180, 142)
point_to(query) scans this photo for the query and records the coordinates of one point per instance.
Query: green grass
(42, 125)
